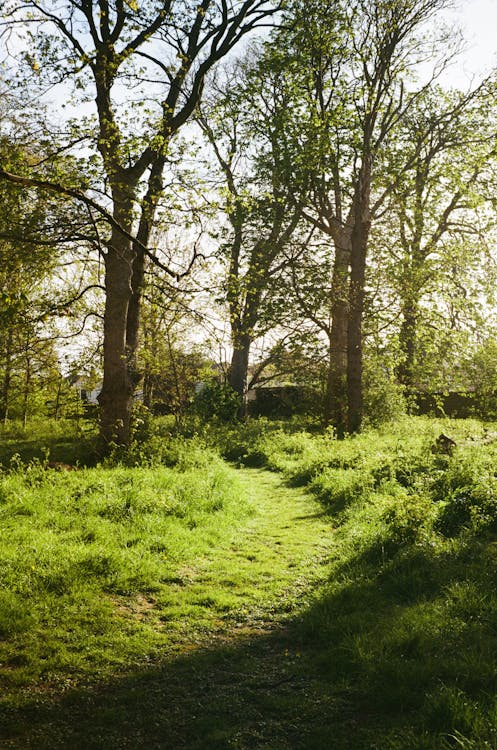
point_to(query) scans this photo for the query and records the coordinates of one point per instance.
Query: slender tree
(244, 123)
(441, 162)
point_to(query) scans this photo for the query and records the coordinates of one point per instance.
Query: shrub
(473, 506)
(338, 488)
(217, 401)
(467, 494)
(407, 517)
(383, 397)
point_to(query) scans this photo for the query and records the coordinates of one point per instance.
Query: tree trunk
(124, 276)
(116, 397)
(177, 385)
(359, 248)
(7, 375)
(133, 316)
(26, 390)
(148, 387)
(57, 398)
(238, 374)
(335, 403)
(407, 341)
(147, 217)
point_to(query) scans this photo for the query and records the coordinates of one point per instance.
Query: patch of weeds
(408, 519)
(339, 488)
(473, 506)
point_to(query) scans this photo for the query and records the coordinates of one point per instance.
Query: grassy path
(265, 570)
(228, 670)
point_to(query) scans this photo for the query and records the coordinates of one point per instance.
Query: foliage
(480, 370)
(39, 308)
(97, 53)
(217, 400)
(170, 371)
(383, 396)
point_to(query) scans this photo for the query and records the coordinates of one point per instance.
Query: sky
(478, 21)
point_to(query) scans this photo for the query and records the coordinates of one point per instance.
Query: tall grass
(402, 637)
(75, 543)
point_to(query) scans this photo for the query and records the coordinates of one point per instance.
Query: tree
(162, 52)
(40, 307)
(440, 163)
(244, 122)
(172, 363)
(351, 60)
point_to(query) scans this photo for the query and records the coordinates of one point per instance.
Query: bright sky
(478, 20)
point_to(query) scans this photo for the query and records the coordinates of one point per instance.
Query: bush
(338, 488)
(384, 399)
(472, 507)
(217, 401)
(406, 519)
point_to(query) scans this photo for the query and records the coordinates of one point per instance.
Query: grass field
(312, 594)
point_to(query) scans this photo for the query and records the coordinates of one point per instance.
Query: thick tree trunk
(359, 248)
(238, 374)
(335, 403)
(124, 276)
(116, 396)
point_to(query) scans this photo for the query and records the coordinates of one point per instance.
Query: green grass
(346, 598)
(406, 628)
(106, 573)
(77, 545)
(70, 441)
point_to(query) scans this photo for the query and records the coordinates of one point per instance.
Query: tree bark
(407, 341)
(26, 389)
(7, 375)
(116, 397)
(133, 316)
(335, 403)
(238, 374)
(359, 247)
(57, 398)
(149, 208)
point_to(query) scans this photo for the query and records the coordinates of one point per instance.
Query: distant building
(90, 395)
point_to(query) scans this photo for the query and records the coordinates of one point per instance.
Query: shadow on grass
(79, 450)
(396, 653)
(248, 695)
